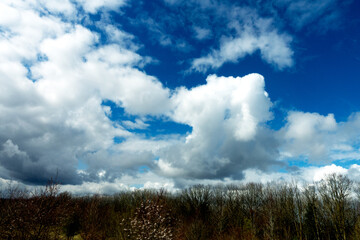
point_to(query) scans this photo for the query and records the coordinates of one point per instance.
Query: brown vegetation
(329, 209)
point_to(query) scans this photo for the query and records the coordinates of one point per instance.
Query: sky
(111, 95)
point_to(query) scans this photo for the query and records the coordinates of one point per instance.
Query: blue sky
(112, 95)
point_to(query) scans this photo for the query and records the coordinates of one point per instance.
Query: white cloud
(318, 138)
(23, 31)
(59, 7)
(305, 125)
(275, 49)
(120, 38)
(230, 51)
(226, 101)
(253, 33)
(125, 183)
(304, 175)
(92, 6)
(202, 33)
(8, 15)
(226, 115)
(138, 124)
(54, 77)
(101, 187)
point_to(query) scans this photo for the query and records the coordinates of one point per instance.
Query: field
(329, 209)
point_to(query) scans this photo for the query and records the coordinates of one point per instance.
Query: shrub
(151, 221)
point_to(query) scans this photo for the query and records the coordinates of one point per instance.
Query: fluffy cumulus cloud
(307, 133)
(55, 76)
(227, 117)
(320, 139)
(305, 175)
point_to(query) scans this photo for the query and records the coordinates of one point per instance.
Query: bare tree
(334, 192)
(299, 205)
(252, 199)
(311, 218)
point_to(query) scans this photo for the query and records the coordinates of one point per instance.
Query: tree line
(329, 209)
